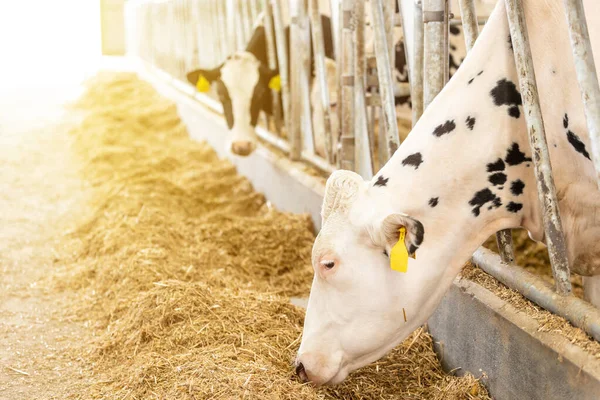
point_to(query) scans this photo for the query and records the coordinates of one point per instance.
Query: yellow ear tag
(203, 85)
(275, 83)
(399, 253)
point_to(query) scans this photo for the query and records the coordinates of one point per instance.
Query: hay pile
(186, 273)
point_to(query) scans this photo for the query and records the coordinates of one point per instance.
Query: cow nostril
(301, 373)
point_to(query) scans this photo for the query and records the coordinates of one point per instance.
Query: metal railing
(360, 130)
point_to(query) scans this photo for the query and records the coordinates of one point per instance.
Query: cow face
(357, 306)
(242, 83)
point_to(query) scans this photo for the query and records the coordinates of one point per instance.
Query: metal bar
(303, 51)
(272, 60)
(555, 240)
(295, 125)
(586, 74)
(321, 75)
(434, 64)
(577, 311)
(348, 145)
(282, 60)
(469, 22)
(505, 245)
(364, 162)
(386, 83)
(339, 55)
(416, 81)
(247, 20)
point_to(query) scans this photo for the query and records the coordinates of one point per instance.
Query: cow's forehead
(240, 69)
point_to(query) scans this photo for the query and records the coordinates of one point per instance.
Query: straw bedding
(184, 272)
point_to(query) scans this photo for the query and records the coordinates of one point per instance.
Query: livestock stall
(353, 123)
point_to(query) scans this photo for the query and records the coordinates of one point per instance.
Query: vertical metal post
(247, 20)
(434, 65)
(321, 74)
(295, 132)
(586, 74)
(282, 59)
(347, 157)
(469, 22)
(416, 81)
(555, 240)
(386, 83)
(272, 59)
(363, 157)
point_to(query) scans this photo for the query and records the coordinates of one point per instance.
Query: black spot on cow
(497, 179)
(566, 121)
(473, 78)
(514, 156)
(414, 160)
(452, 47)
(496, 166)
(505, 93)
(516, 187)
(470, 122)
(510, 45)
(481, 198)
(501, 187)
(454, 30)
(444, 128)
(514, 207)
(434, 201)
(577, 144)
(381, 181)
(497, 202)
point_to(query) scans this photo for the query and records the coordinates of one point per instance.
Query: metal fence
(360, 131)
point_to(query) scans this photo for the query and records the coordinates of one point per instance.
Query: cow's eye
(328, 264)
(385, 253)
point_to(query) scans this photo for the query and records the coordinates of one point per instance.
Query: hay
(185, 273)
(533, 257)
(548, 322)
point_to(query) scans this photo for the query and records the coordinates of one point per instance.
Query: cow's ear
(202, 78)
(340, 191)
(271, 76)
(391, 228)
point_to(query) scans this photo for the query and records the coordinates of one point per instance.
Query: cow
(242, 81)
(465, 172)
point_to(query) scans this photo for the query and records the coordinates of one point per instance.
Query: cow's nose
(242, 147)
(301, 373)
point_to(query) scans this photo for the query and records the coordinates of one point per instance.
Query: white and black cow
(464, 173)
(242, 82)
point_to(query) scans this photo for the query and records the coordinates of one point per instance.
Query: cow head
(357, 302)
(242, 83)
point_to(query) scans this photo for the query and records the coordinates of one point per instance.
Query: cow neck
(465, 171)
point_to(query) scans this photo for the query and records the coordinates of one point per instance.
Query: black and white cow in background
(464, 173)
(242, 81)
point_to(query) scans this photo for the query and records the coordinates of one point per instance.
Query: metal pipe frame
(469, 22)
(296, 59)
(557, 249)
(364, 160)
(579, 312)
(321, 75)
(416, 78)
(347, 153)
(386, 83)
(282, 60)
(434, 64)
(272, 60)
(586, 74)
